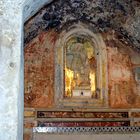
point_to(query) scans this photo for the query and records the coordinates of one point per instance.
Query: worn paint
(39, 71)
(122, 83)
(41, 33)
(123, 88)
(82, 114)
(83, 124)
(101, 15)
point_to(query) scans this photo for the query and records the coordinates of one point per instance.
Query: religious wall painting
(80, 68)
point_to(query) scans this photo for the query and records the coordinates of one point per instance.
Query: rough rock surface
(122, 16)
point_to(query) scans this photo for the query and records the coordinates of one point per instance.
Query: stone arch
(31, 7)
(102, 65)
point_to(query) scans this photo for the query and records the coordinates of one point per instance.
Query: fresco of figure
(80, 61)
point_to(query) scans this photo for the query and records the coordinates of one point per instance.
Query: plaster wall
(39, 54)
(123, 89)
(11, 70)
(39, 71)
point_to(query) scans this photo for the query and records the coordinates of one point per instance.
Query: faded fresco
(123, 65)
(122, 16)
(109, 19)
(80, 68)
(39, 71)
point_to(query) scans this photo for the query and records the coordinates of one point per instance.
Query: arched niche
(101, 91)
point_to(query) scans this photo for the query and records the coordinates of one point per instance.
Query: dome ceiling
(121, 16)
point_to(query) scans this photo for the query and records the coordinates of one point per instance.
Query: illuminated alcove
(80, 69)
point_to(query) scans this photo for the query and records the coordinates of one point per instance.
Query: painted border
(89, 130)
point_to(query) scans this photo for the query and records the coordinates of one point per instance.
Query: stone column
(11, 70)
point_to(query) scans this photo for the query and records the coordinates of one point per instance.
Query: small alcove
(80, 69)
